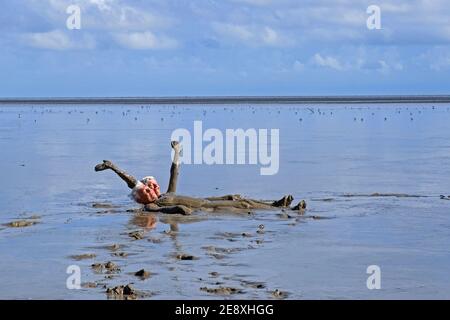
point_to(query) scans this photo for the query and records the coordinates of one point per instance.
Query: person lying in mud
(147, 192)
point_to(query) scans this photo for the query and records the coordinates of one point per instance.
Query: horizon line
(338, 99)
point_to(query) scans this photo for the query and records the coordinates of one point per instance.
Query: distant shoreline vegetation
(234, 100)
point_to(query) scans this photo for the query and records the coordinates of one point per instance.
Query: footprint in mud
(113, 247)
(107, 208)
(120, 254)
(104, 206)
(253, 284)
(84, 256)
(231, 236)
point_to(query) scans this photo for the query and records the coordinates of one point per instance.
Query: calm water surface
(326, 153)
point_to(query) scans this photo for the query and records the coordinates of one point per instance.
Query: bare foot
(284, 202)
(301, 206)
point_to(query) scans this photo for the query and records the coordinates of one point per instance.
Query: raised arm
(175, 168)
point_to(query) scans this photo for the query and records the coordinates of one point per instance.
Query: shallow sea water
(327, 152)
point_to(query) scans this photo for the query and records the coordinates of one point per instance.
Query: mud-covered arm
(175, 168)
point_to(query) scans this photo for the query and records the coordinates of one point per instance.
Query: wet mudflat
(372, 178)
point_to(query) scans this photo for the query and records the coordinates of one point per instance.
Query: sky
(161, 48)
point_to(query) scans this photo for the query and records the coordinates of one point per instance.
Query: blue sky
(223, 47)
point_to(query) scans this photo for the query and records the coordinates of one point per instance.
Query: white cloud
(252, 35)
(254, 2)
(57, 40)
(298, 66)
(145, 41)
(327, 61)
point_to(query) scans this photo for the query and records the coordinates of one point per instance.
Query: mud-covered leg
(178, 209)
(129, 179)
(175, 168)
(227, 197)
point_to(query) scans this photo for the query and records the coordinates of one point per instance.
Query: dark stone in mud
(143, 274)
(222, 290)
(279, 294)
(109, 267)
(85, 256)
(21, 223)
(137, 235)
(183, 256)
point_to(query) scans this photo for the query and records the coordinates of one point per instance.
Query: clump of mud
(279, 294)
(28, 222)
(84, 256)
(108, 267)
(143, 274)
(183, 256)
(222, 290)
(136, 235)
(126, 292)
(89, 285)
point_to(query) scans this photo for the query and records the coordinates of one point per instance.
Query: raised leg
(175, 168)
(129, 179)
